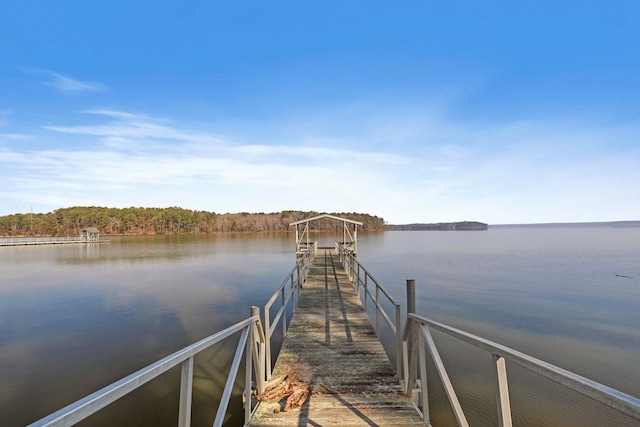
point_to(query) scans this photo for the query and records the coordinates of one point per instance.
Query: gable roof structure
(315, 218)
(90, 234)
(303, 242)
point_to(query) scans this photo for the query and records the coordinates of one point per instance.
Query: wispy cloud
(131, 159)
(12, 136)
(67, 85)
(125, 126)
(500, 172)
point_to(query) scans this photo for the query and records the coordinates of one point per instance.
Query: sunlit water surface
(569, 296)
(76, 318)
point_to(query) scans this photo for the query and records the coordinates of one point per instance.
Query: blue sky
(416, 111)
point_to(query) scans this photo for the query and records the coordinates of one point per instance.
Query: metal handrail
(608, 396)
(251, 341)
(293, 282)
(361, 279)
(13, 241)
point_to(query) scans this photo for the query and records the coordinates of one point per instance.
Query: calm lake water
(76, 318)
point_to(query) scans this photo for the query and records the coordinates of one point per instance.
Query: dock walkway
(332, 346)
(31, 241)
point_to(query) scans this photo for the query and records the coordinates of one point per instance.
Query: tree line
(148, 221)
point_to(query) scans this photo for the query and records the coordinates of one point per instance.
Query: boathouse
(90, 234)
(349, 233)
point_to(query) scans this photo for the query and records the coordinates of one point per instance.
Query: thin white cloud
(122, 115)
(12, 136)
(65, 84)
(195, 169)
(127, 126)
(68, 86)
(498, 173)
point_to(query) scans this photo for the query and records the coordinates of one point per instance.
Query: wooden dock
(332, 350)
(32, 241)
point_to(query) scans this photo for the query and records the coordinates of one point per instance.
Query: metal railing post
(293, 290)
(411, 368)
(357, 279)
(248, 354)
(411, 296)
(353, 268)
(424, 391)
(347, 266)
(502, 392)
(302, 267)
(283, 303)
(399, 358)
(378, 311)
(267, 334)
(411, 308)
(228, 387)
(366, 291)
(258, 350)
(186, 393)
(444, 377)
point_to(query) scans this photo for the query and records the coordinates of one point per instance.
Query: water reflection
(74, 319)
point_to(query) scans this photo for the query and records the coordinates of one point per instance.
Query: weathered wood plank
(332, 348)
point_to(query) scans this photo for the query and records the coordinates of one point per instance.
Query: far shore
(618, 224)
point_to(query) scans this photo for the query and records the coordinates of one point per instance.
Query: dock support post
(411, 296)
(412, 362)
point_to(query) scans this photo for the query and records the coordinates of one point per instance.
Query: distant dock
(29, 241)
(87, 235)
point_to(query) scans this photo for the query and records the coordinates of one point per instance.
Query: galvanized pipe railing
(416, 372)
(17, 241)
(363, 280)
(285, 294)
(251, 345)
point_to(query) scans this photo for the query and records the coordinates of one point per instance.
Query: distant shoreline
(615, 224)
(479, 226)
(440, 226)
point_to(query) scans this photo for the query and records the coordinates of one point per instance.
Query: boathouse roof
(90, 230)
(302, 221)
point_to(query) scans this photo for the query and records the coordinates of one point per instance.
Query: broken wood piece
(286, 386)
(274, 382)
(297, 398)
(275, 393)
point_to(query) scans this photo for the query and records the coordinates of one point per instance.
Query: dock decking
(332, 346)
